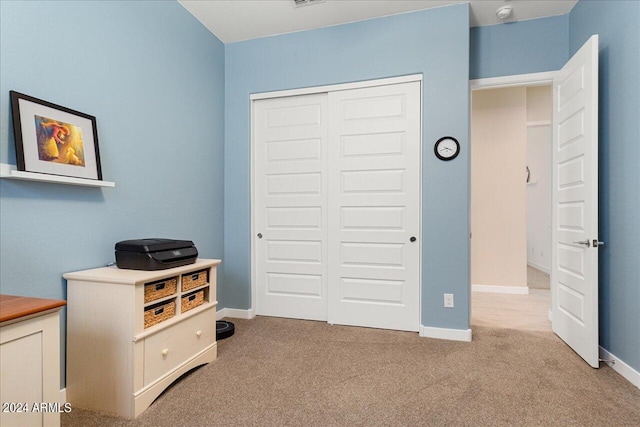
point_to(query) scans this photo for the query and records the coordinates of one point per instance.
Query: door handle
(586, 243)
(597, 243)
(259, 235)
(412, 239)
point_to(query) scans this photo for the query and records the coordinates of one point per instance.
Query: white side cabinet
(131, 333)
(30, 361)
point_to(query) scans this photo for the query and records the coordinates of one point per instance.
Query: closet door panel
(290, 196)
(374, 206)
(336, 202)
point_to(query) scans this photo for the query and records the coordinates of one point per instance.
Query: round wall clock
(446, 148)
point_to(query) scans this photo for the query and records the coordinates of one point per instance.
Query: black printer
(155, 254)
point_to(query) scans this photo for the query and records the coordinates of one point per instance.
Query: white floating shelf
(10, 172)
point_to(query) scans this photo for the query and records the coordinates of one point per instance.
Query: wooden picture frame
(55, 140)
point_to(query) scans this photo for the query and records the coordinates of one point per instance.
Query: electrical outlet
(448, 300)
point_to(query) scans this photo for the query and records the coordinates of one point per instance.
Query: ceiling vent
(300, 3)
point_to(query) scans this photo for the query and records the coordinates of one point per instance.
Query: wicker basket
(192, 300)
(159, 313)
(193, 280)
(161, 288)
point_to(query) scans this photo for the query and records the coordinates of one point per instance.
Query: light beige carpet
(537, 279)
(512, 311)
(281, 372)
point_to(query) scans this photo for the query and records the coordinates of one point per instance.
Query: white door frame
(308, 91)
(532, 79)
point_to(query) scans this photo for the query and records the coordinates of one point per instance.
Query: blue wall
(519, 47)
(616, 23)
(154, 78)
(433, 42)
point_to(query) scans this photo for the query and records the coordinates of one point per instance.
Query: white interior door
(374, 200)
(574, 271)
(290, 196)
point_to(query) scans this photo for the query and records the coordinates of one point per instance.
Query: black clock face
(446, 148)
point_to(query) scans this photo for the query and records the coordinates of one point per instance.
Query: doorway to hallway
(511, 207)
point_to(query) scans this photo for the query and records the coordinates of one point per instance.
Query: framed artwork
(54, 140)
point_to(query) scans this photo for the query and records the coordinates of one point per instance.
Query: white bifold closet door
(337, 206)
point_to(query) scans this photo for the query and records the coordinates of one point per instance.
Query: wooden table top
(14, 307)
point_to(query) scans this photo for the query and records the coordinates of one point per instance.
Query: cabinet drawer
(168, 349)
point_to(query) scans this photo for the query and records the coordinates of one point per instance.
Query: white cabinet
(131, 333)
(30, 361)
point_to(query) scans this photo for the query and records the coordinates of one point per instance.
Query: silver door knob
(597, 243)
(586, 243)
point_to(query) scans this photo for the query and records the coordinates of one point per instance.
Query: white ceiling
(237, 20)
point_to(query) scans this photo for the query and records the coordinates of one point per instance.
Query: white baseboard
(539, 267)
(519, 290)
(620, 367)
(235, 313)
(63, 395)
(446, 334)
